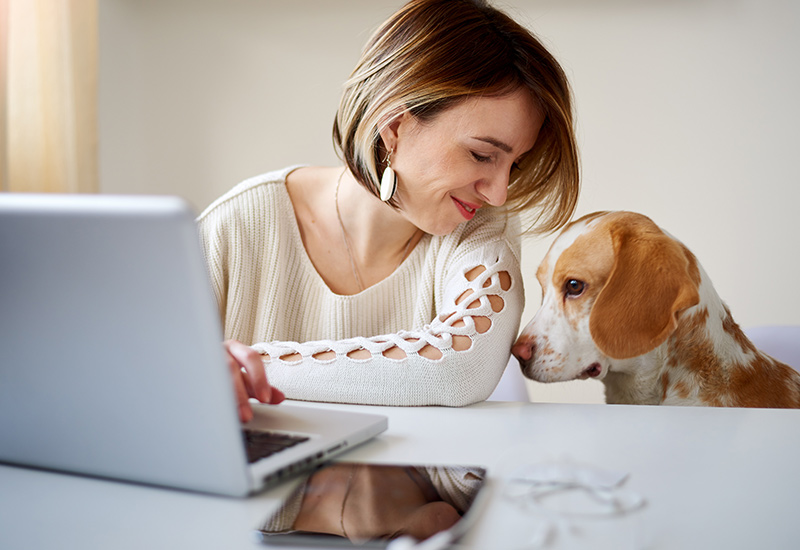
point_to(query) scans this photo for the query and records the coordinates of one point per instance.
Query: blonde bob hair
(432, 54)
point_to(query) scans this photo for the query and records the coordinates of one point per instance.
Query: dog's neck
(635, 381)
(698, 354)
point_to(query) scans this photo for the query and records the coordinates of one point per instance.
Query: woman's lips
(466, 209)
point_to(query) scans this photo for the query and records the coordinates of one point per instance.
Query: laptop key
(261, 444)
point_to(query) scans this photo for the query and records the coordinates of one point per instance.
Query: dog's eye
(574, 287)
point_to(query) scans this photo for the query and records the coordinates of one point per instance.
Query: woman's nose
(494, 190)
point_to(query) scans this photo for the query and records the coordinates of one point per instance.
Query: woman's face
(461, 160)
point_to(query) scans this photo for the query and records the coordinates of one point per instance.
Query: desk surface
(712, 478)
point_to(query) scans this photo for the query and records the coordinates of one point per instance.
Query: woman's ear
(654, 278)
(391, 131)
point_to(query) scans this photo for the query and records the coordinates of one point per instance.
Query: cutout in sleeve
(468, 316)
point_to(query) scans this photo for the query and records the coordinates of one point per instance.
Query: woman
(395, 279)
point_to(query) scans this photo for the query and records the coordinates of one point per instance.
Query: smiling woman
(416, 64)
(395, 279)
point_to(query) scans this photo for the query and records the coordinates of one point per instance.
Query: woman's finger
(250, 362)
(242, 399)
(277, 396)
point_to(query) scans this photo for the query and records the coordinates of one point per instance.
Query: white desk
(713, 478)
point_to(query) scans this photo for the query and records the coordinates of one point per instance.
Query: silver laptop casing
(111, 362)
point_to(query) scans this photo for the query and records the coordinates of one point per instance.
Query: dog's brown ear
(653, 279)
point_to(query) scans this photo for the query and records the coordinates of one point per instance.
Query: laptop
(111, 357)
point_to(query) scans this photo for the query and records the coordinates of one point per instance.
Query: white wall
(687, 111)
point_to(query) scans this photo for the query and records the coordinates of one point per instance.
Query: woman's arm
(455, 360)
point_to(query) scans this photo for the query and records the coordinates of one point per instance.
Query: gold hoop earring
(388, 179)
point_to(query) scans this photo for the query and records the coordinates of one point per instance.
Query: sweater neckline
(413, 257)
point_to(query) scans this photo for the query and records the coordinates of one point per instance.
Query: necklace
(347, 494)
(347, 240)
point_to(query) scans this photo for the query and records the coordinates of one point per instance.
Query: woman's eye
(574, 287)
(481, 158)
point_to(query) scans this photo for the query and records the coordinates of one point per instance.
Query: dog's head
(613, 285)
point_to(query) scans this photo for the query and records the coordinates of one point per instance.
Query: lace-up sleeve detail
(455, 360)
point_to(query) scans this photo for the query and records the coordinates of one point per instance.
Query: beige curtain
(3, 95)
(49, 95)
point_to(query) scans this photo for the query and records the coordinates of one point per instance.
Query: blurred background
(687, 111)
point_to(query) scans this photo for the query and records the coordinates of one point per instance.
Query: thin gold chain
(347, 240)
(344, 234)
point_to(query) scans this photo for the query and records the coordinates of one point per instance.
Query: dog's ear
(653, 279)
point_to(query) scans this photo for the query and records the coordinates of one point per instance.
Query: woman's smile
(465, 208)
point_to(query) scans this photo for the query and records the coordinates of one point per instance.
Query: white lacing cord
(439, 334)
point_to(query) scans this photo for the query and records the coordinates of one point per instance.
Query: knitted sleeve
(455, 360)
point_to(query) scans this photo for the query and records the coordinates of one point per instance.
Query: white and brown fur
(647, 323)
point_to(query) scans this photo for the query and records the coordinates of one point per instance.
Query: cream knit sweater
(271, 297)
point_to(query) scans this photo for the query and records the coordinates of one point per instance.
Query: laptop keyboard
(260, 444)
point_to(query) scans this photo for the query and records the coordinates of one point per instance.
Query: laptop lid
(111, 361)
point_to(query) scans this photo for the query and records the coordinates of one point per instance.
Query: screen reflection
(366, 504)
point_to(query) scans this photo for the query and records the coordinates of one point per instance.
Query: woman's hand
(249, 378)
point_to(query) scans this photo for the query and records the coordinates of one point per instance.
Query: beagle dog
(627, 304)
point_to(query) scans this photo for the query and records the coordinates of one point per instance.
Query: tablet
(349, 504)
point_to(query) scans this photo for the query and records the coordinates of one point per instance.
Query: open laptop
(111, 358)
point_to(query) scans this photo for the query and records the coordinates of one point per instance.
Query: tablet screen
(368, 505)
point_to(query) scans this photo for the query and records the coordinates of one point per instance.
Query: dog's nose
(523, 349)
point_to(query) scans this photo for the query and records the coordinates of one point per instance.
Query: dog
(626, 303)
